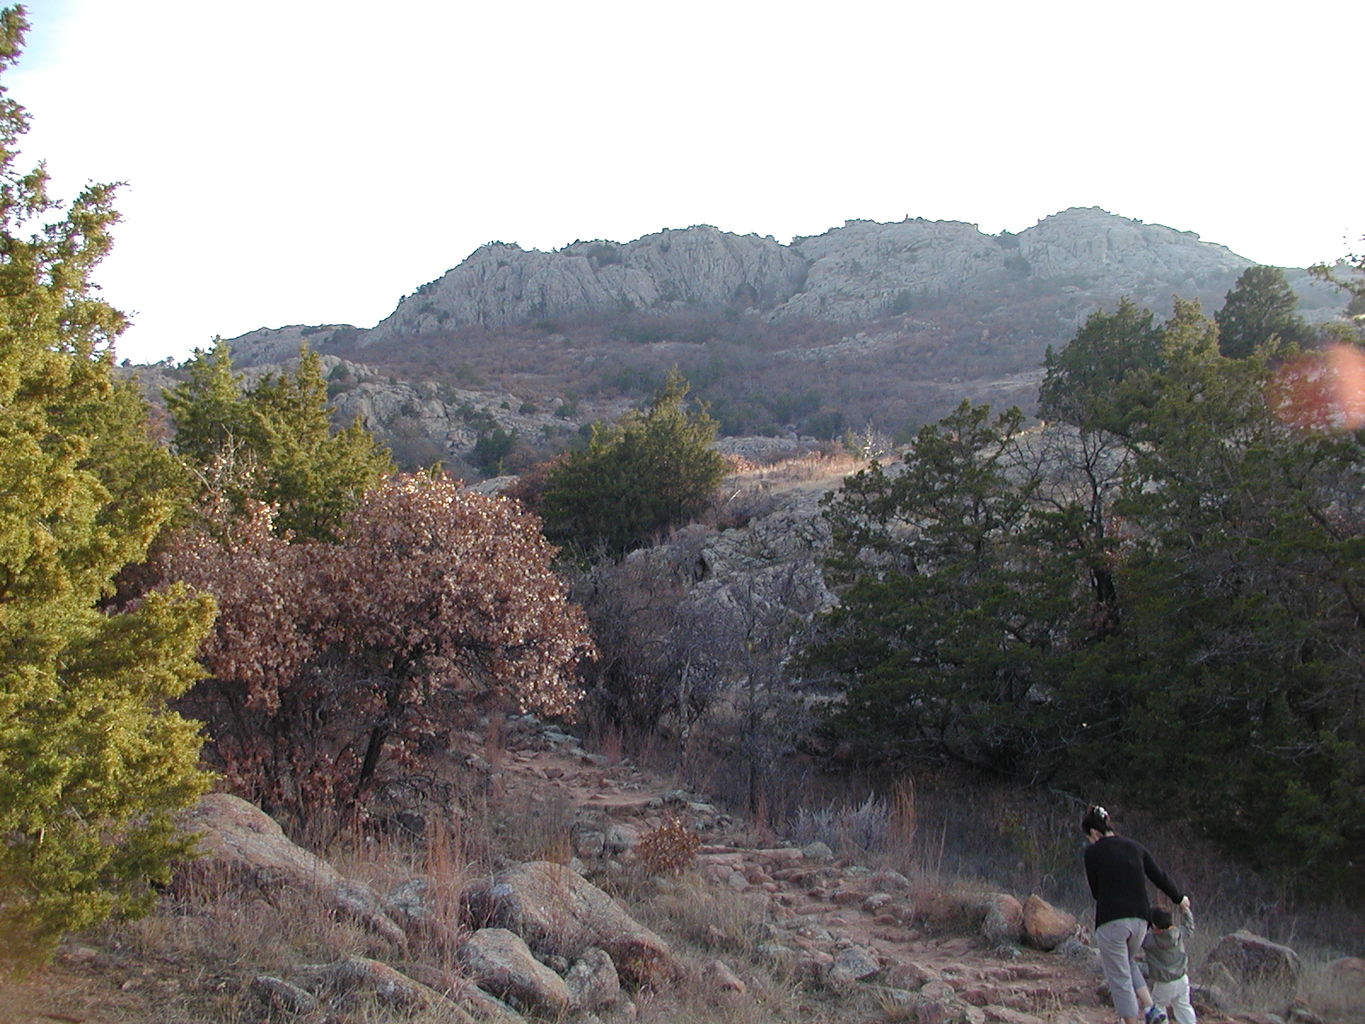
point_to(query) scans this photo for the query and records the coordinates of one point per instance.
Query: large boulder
(501, 963)
(1252, 959)
(1045, 926)
(593, 981)
(1003, 918)
(240, 843)
(558, 912)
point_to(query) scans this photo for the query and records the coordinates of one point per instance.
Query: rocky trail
(941, 956)
(537, 940)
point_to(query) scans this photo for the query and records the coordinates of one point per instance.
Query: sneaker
(1154, 1015)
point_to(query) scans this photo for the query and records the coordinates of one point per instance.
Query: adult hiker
(1118, 869)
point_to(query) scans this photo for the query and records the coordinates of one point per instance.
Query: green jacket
(1164, 951)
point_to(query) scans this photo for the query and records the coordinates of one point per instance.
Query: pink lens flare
(1322, 391)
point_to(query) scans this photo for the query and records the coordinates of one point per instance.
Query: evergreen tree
(955, 594)
(647, 472)
(1165, 600)
(1243, 608)
(1259, 307)
(92, 764)
(1348, 275)
(1089, 384)
(274, 442)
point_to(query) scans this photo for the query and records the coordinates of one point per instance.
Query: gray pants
(1119, 942)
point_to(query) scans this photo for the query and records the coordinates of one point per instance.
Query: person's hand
(1185, 902)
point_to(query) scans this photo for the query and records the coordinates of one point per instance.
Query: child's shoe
(1154, 1015)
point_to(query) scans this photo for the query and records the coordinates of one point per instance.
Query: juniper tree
(93, 765)
(277, 440)
(649, 471)
(1260, 306)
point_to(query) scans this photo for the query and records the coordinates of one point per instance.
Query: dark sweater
(1117, 869)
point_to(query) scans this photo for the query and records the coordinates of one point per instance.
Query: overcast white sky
(312, 161)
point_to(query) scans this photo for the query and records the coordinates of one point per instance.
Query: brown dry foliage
(670, 848)
(332, 661)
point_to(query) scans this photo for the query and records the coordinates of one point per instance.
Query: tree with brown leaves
(336, 665)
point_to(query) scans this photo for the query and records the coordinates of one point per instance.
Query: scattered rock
(556, 911)
(818, 852)
(888, 879)
(619, 839)
(1256, 960)
(851, 965)
(283, 995)
(593, 981)
(242, 840)
(499, 962)
(588, 840)
(357, 974)
(719, 977)
(1003, 921)
(1346, 978)
(909, 976)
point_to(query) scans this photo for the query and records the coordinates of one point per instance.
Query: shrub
(670, 848)
(332, 661)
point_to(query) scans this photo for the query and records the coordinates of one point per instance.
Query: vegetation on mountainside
(1348, 275)
(93, 765)
(337, 668)
(1168, 603)
(273, 443)
(647, 472)
(1261, 306)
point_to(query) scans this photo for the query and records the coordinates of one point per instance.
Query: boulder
(909, 975)
(356, 975)
(720, 977)
(284, 996)
(817, 851)
(1348, 972)
(938, 1003)
(1045, 926)
(619, 839)
(1255, 960)
(1003, 920)
(242, 841)
(499, 962)
(851, 965)
(556, 911)
(593, 981)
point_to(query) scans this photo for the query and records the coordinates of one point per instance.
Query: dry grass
(194, 958)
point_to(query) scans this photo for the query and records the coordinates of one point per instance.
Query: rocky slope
(887, 325)
(861, 271)
(758, 929)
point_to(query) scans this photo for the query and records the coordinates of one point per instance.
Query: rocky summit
(882, 326)
(861, 271)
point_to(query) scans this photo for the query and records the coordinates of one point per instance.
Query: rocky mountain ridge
(860, 271)
(882, 325)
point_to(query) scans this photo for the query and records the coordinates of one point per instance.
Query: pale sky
(312, 161)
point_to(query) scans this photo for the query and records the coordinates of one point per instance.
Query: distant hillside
(869, 324)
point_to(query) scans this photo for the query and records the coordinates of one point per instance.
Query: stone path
(838, 924)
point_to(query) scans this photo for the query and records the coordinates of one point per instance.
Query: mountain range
(870, 325)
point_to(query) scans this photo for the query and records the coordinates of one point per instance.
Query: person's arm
(1186, 917)
(1160, 879)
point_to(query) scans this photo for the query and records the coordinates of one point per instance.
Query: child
(1168, 964)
